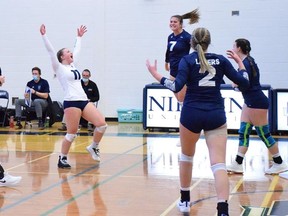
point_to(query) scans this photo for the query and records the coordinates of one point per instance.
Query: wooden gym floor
(137, 175)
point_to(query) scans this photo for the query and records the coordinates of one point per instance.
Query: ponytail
(193, 16)
(200, 41)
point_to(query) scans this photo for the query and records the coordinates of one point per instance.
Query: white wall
(123, 34)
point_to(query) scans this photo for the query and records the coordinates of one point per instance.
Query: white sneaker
(235, 167)
(9, 180)
(277, 168)
(95, 153)
(183, 206)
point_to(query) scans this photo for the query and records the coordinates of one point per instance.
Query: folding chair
(30, 114)
(4, 95)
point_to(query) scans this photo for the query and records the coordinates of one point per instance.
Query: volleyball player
(76, 103)
(178, 45)
(7, 180)
(203, 109)
(254, 114)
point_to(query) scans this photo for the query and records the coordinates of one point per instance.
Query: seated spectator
(39, 93)
(92, 93)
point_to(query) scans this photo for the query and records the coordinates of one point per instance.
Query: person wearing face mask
(93, 96)
(92, 93)
(39, 93)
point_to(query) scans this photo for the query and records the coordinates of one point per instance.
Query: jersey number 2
(206, 81)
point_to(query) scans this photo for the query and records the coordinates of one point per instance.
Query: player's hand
(231, 54)
(42, 29)
(81, 30)
(152, 68)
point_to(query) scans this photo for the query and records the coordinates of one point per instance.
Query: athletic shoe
(95, 153)
(277, 168)
(63, 128)
(9, 180)
(235, 167)
(183, 206)
(62, 163)
(19, 125)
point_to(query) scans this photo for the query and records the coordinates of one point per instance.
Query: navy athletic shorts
(196, 120)
(78, 104)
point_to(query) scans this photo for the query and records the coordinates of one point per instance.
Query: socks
(1, 172)
(94, 145)
(239, 159)
(277, 158)
(185, 195)
(63, 155)
(222, 208)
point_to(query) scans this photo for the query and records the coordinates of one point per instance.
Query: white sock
(240, 154)
(94, 145)
(276, 155)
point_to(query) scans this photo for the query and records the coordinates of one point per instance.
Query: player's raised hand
(42, 29)
(231, 54)
(81, 30)
(151, 68)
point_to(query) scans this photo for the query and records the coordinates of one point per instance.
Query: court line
(28, 197)
(268, 196)
(172, 206)
(236, 187)
(72, 199)
(30, 161)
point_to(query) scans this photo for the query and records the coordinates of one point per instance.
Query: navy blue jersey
(203, 89)
(254, 96)
(41, 86)
(177, 47)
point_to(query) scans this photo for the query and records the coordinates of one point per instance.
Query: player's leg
(216, 141)
(244, 138)
(72, 116)
(92, 114)
(188, 142)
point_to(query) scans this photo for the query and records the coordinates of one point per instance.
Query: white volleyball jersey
(68, 75)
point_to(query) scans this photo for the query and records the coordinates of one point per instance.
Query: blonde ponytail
(200, 42)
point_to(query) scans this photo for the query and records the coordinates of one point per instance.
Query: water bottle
(47, 120)
(11, 122)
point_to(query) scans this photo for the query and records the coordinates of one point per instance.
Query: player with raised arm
(76, 103)
(203, 109)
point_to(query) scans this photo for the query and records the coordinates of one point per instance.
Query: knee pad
(265, 135)
(186, 158)
(244, 133)
(218, 166)
(70, 137)
(101, 129)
